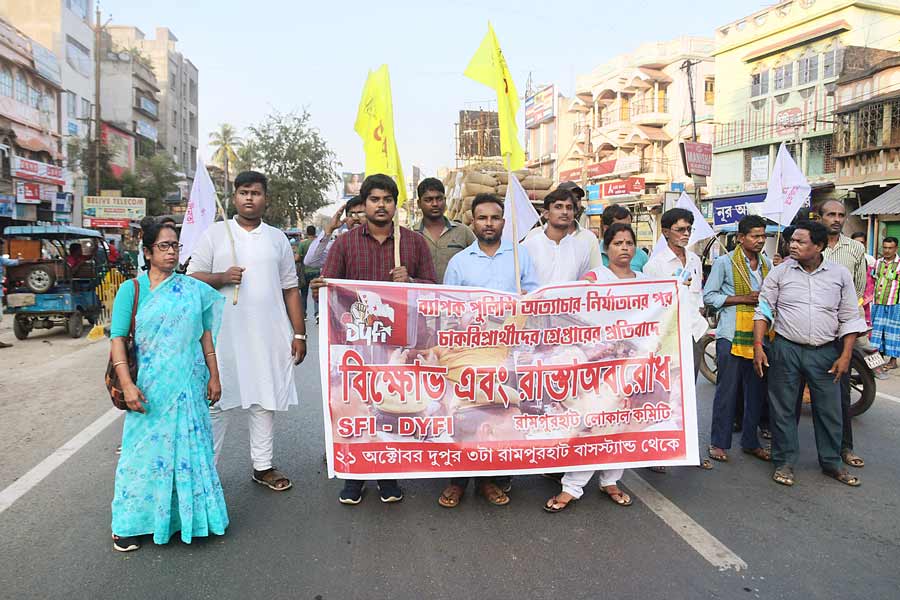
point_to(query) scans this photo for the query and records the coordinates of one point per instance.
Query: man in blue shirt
(5, 261)
(616, 213)
(732, 289)
(488, 263)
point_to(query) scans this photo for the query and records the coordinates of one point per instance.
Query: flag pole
(397, 238)
(515, 226)
(237, 287)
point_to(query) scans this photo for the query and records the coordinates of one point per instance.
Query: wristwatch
(300, 336)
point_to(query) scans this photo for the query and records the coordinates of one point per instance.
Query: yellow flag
(489, 67)
(375, 125)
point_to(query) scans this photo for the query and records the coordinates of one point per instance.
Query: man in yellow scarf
(733, 290)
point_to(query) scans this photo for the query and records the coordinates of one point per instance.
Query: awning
(655, 75)
(34, 141)
(887, 203)
(798, 40)
(654, 134)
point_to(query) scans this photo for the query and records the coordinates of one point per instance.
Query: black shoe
(352, 492)
(390, 491)
(557, 477)
(126, 544)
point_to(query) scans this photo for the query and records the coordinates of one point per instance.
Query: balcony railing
(654, 165)
(660, 105)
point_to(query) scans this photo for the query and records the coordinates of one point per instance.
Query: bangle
(758, 344)
(213, 353)
(121, 362)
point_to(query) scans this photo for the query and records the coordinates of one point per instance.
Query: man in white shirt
(261, 339)
(577, 231)
(675, 260)
(558, 255)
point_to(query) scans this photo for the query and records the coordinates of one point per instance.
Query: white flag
(788, 189)
(526, 216)
(201, 210)
(701, 230)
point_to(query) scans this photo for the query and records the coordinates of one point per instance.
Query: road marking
(40, 471)
(888, 397)
(698, 538)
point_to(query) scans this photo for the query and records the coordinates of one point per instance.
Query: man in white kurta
(254, 347)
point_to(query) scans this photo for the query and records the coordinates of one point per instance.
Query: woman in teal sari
(166, 479)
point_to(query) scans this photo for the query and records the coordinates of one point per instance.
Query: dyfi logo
(370, 320)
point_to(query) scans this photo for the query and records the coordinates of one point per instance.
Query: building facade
(32, 178)
(177, 127)
(777, 73)
(628, 119)
(64, 27)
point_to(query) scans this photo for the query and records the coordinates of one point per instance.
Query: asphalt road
(819, 539)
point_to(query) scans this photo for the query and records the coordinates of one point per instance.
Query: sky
(258, 57)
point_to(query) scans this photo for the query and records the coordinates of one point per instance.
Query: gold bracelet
(121, 362)
(211, 353)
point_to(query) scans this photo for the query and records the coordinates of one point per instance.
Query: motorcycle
(862, 372)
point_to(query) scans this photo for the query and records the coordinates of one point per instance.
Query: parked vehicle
(51, 286)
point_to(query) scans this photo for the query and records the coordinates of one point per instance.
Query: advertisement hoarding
(540, 107)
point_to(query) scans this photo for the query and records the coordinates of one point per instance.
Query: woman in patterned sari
(166, 480)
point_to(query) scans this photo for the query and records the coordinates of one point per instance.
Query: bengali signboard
(540, 107)
(32, 170)
(733, 210)
(697, 158)
(111, 207)
(632, 185)
(422, 381)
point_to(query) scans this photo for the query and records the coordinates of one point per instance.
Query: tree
(300, 166)
(224, 142)
(157, 178)
(246, 157)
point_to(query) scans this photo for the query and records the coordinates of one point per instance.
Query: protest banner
(426, 381)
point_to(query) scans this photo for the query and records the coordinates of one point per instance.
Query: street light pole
(97, 30)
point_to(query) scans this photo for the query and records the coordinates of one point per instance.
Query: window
(830, 63)
(174, 118)
(842, 132)
(809, 69)
(871, 126)
(21, 88)
(6, 82)
(821, 159)
(759, 83)
(85, 108)
(72, 105)
(709, 91)
(34, 97)
(895, 121)
(78, 57)
(79, 7)
(784, 76)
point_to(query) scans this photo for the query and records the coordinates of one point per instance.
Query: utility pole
(97, 30)
(687, 66)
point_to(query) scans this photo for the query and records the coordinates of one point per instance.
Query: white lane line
(40, 471)
(706, 544)
(888, 397)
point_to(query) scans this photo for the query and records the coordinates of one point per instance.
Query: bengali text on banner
(426, 381)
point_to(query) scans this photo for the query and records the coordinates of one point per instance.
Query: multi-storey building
(628, 118)
(64, 27)
(31, 176)
(776, 72)
(129, 102)
(177, 127)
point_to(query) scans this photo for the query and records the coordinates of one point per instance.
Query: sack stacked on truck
(537, 187)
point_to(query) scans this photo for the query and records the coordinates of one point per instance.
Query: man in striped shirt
(852, 255)
(885, 308)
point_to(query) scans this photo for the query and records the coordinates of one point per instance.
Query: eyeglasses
(166, 246)
(682, 230)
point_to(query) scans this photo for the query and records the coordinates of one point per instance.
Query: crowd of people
(782, 324)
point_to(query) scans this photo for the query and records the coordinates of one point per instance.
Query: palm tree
(225, 142)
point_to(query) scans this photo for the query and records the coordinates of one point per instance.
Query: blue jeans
(735, 380)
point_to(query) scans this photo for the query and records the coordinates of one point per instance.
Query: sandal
(852, 459)
(765, 433)
(718, 454)
(273, 479)
(493, 494)
(784, 476)
(659, 469)
(705, 464)
(451, 496)
(554, 505)
(126, 544)
(764, 454)
(617, 495)
(844, 476)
